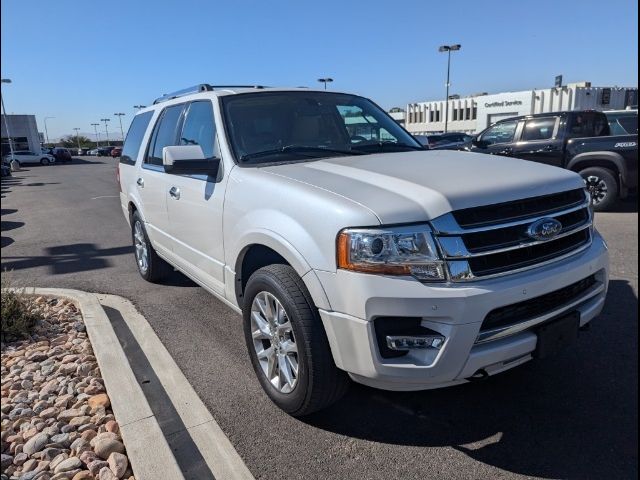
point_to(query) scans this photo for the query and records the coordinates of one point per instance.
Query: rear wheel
(601, 184)
(150, 266)
(287, 343)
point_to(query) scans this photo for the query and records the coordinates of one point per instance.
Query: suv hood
(418, 186)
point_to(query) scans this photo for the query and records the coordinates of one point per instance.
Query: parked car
(445, 141)
(93, 152)
(105, 151)
(62, 155)
(576, 140)
(623, 122)
(369, 260)
(25, 157)
(115, 153)
(83, 151)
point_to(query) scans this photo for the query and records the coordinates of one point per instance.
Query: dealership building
(476, 112)
(24, 133)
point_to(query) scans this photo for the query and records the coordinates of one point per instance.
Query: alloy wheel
(140, 243)
(274, 342)
(597, 188)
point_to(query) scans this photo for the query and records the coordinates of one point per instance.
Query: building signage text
(503, 104)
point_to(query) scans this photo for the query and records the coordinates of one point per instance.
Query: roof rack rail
(203, 87)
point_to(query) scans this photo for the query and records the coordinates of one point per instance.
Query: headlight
(392, 251)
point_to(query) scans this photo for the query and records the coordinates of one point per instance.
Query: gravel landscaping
(56, 418)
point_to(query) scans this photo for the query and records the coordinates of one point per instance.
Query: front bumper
(455, 311)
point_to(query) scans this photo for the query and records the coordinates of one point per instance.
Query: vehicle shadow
(628, 205)
(78, 257)
(78, 161)
(572, 416)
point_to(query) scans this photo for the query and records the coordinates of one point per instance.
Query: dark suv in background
(577, 140)
(62, 154)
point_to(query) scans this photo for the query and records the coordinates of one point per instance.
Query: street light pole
(448, 49)
(119, 115)
(77, 137)
(138, 107)
(325, 81)
(6, 123)
(46, 131)
(106, 128)
(95, 128)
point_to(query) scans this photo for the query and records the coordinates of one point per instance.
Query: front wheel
(287, 343)
(601, 184)
(45, 161)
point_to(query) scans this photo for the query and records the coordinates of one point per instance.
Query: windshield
(268, 127)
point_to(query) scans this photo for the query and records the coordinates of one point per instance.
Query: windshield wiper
(304, 150)
(382, 145)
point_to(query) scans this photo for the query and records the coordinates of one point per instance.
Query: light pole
(6, 123)
(138, 107)
(77, 138)
(448, 49)
(46, 132)
(119, 115)
(106, 128)
(95, 128)
(325, 81)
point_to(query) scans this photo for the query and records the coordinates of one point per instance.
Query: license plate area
(555, 336)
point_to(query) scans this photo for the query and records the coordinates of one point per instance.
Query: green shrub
(18, 312)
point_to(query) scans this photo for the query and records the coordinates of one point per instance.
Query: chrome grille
(477, 245)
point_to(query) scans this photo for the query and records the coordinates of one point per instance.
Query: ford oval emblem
(544, 229)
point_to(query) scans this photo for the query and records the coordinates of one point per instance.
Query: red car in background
(116, 152)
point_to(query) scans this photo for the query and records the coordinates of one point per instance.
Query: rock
(83, 475)
(97, 465)
(6, 461)
(48, 412)
(20, 458)
(56, 461)
(67, 368)
(29, 465)
(100, 400)
(36, 443)
(106, 474)
(118, 463)
(71, 463)
(70, 413)
(112, 426)
(79, 444)
(50, 387)
(65, 475)
(78, 421)
(61, 438)
(87, 457)
(50, 453)
(106, 446)
(103, 435)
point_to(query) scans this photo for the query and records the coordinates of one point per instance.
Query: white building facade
(24, 133)
(474, 113)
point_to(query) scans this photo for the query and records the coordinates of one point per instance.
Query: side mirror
(478, 143)
(189, 160)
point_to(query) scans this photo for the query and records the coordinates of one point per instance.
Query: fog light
(408, 342)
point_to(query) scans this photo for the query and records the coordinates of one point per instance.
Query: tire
(45, 161)
(602, 186)
(14, 165)
(153, 268)
(318, 382)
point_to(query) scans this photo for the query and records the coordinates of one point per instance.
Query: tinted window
(539, 128)
(500, 133)
(133, 141)
(588, 124)
(165, 133)
(199, 128)
(630, 124)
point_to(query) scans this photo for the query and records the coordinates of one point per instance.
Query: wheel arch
(609, 160)
(261, 249)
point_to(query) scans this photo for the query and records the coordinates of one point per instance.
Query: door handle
(175, 192)
(140, 182)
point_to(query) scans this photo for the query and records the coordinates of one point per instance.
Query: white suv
(25, 156)
(350, 251)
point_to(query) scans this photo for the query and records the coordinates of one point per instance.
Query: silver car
(26, 156)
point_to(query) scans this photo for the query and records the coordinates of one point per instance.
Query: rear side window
(630, 124)
(165, 133)
(199, 128)
(133, 141)
(588, 124)
(539, 129)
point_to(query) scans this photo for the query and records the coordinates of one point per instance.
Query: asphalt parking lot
(571, 416)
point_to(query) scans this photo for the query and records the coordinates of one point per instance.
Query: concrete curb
(149, 452)
(147, 449)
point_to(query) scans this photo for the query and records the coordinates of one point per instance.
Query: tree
(71, 141)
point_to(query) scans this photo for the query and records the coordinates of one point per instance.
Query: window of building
(467, 113)
(455, 114)
(431, 115)
(539, 129)
(474, 113)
